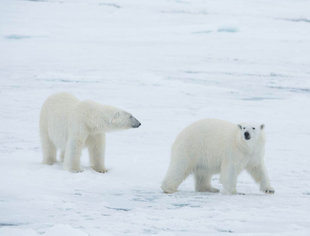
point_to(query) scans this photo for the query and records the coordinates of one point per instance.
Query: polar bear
(69, 125)
(212, 146)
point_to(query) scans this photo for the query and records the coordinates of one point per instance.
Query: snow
(170, 63)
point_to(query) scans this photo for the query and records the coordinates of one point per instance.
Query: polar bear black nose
(136, 125)
(247, 135)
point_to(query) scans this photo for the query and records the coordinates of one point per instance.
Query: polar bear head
(251, 132)
(101, 118)
(123, 120)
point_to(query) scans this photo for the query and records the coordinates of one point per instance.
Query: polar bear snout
(134, 122)
(247, 135)
(136, 125)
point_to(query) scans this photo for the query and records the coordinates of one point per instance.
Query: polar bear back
(206, 140)
(55, 115)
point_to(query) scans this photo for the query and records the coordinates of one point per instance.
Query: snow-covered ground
(170, 63)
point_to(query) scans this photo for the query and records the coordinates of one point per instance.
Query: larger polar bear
(69, 125)
(212, 146)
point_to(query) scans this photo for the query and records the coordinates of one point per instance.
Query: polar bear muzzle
(134, 122)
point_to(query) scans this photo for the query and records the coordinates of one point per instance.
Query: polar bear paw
(73, 170)
(167, 189)
(206, 189)
(48, 162)
(100, 170)
(229, 191)
(212, 190)
(269, 191)
(76, 170)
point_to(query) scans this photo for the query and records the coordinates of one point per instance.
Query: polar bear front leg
(73, 154)
(260, 175)
(228, 177)
(96, 150)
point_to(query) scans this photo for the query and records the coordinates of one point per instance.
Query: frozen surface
(170, 63)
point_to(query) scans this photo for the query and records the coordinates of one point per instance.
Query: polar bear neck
(96, 116)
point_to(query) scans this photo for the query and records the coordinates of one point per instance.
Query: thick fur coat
(212, 146)
(69, 125)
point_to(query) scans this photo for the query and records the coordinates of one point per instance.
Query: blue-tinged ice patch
(3, 224)
(305, 20)
(224, 230)
(180, 205)
(67, 78)
(71, 81)
(273, 74)
(109, 4)
(37, 0)
(192, 72)
(203, 32)
(292, 89)
(185, 12)
(118, 208)
(228, 29)
(17, 36)
(257, 98)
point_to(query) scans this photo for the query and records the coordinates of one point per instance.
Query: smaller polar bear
(212, 146)
(69, 125)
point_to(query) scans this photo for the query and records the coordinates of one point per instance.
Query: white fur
(69, 125)
(212, 146)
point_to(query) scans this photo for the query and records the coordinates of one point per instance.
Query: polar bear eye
(253, 128)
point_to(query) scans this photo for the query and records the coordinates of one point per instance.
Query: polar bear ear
(262, 126)
(240, 126)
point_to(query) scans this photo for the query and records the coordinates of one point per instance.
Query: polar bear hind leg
(62, 155)
(179, 169)
(73, 155)
(48, 149)
(96, 149)
(203, 181)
